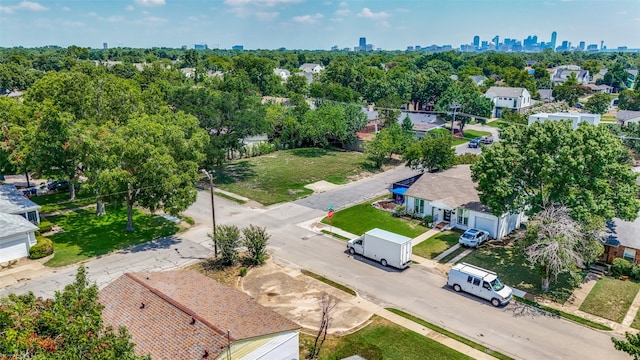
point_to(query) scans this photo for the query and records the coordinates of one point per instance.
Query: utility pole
(213, 213)
(454, 106)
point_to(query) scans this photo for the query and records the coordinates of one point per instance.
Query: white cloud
(265, 3)
(384, 24)
(150, 2)
(130, 7)
(73, 23)
(92, 14)
(151, 20)
(66, 9)
(25, 5)
(367, 13)
(32, 6)
(115, 19)
(343, 4)
(266, 15)
(308, 19)
(342, 12)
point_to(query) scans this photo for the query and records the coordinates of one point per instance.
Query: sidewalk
(24, 269)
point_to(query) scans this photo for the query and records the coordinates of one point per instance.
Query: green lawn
(610, 298)
(281, 176)
(363, 217)
(436, 244)
(60, 201)
(636, 321)
(608, 118)
(514, 270)
(497, 124)
(86, 235)
(382, 339)
(468, 135)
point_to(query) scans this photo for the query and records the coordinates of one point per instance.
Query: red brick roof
(184, 314)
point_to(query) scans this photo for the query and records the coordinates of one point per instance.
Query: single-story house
(17, 236)
(622, 240)
(283, 73)
(450, 197)
(186, 315)
(623, 117)
(576, 118)
(478, 79)
(14, 202)
(515, 99)
(605, 89)
(560, 74)
(311, 68)
(546, 95)
(422, 122)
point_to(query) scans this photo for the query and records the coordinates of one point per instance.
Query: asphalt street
(417, 290)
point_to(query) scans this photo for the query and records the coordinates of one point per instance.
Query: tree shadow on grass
(235, 172)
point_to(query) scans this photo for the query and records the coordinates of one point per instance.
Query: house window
(629, 254)
(463, 216)
(31, 216)
(419, 206)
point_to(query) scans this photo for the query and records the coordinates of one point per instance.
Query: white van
(479, 282)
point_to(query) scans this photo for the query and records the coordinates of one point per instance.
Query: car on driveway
(58, 185)
(473, 238)
(487, 140)
(475, 142)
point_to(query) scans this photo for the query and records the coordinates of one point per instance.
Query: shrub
(44, 247)
(635, 273)
(255, 239)
(621, 267)
(228, 240)
(400, 210)
(467, 158)
(426, 220)
(243, 271)
(45, 226)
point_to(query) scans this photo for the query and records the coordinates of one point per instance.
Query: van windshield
(497, 285)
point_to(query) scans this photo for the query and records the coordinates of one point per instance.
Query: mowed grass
(60, 201)
(436, 244)
(514, 270)
(468, 135)
(281, 176)
(361, 218)
(86, 235)
(382, 339)
(610, 298)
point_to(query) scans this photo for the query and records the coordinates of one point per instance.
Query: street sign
(330, 214)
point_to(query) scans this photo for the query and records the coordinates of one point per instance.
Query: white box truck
(386, 247)
(479, 282)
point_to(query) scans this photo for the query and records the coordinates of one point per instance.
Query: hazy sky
(313, 24)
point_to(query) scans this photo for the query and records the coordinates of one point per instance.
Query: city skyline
(314, 24)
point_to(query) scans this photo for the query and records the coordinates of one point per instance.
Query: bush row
(622, 267)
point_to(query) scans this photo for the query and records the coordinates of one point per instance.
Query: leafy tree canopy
(533, 167)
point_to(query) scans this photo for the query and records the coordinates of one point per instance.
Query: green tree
(629, 100)
(472, 103)
(431, 153)
(69, 326)
(598, 103)
(255, 239)
(297, 84)
(390, 140)
(228, 241)
(569, 91)
(156, 160)
(631, 344)
(534, 167)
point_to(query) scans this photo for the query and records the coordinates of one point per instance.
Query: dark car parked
(58, 185)
(474, 143)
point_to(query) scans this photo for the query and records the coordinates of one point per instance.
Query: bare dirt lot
(297, 297)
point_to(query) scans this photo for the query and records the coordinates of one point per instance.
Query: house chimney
(193, 321)
(141, 305)
(205, 354)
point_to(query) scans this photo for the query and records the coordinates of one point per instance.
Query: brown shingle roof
(452, 187)
(163, 327)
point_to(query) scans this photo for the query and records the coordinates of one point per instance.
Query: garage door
(13, 250)
(486, 224)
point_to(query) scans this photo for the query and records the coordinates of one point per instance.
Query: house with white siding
(18, 219)
(514, 99)
(452, 200)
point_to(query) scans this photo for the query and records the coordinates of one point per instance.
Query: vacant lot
(363, 217)
(281, 176)
(382, 339)
(436, 244)
(512, 267)
(610, 298)
(86, 235)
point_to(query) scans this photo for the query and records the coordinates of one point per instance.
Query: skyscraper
(554, 37)
(363, 44)
(476, 41)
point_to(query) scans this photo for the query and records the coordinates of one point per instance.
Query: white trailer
(386, 247)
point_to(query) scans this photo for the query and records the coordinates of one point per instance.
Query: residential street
(418, 290)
